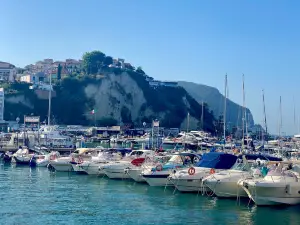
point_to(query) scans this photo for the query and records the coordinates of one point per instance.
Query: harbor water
(38, 196)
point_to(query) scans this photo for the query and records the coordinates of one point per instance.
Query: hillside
(118, 97)
(215, 100)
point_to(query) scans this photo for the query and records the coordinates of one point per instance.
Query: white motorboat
(22, 156)
(158, 175)
(135, 172)
(224, 183)
(190, 179)
(116, 170)
(43, 160)
(92, 166)
(64, 164)
(278, 187)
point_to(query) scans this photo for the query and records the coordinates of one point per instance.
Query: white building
(1, 104)
(8, 72)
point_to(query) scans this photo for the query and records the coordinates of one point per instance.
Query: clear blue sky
(190, 40)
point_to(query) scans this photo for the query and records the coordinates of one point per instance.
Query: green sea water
(37, 196)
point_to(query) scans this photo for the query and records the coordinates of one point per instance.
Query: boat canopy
(217, 160)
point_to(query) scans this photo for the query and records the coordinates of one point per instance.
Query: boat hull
(157, 180)
(189, 185)
(273, 195)
(61, 166)
(226, 189)
(116, 173)
(78, 169)
(136, 175)
(21, 160)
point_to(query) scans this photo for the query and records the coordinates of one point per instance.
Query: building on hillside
(148, 78)
(169, 83)
(156, 83)
(8, 72)
(72, 65)
(128, 66)
(1, 104)
(48, 61)
(33, 78)
(122, 63)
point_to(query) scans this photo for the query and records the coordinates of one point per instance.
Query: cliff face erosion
(116, 98)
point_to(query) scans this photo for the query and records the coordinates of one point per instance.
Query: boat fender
(191, 171)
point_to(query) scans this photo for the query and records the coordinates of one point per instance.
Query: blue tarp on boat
(217, 160)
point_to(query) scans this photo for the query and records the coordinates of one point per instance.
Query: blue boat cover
(217, 160)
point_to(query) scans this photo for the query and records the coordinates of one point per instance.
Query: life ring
(212, 171)
(159, 167)
(191, 171)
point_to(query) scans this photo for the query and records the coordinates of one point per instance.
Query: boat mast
(280, 122)
(202, 116)
(295, 123)
(49, 108)
(225, 106)
(244, 112)
(265, 116)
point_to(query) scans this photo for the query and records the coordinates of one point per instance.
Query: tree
(140, 70)
(59, 68)
(108, 61)
(93, 61)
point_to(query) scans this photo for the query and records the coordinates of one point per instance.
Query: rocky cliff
(215, 100)
(117, 98)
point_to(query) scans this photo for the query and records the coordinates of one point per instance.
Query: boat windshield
(240, 166)
(175, 159)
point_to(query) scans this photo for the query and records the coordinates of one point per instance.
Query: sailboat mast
(295, 123)
(280, 123)
(49, 107)
(225, 106)
(265, 116)
(244, 111)
(202, 116)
